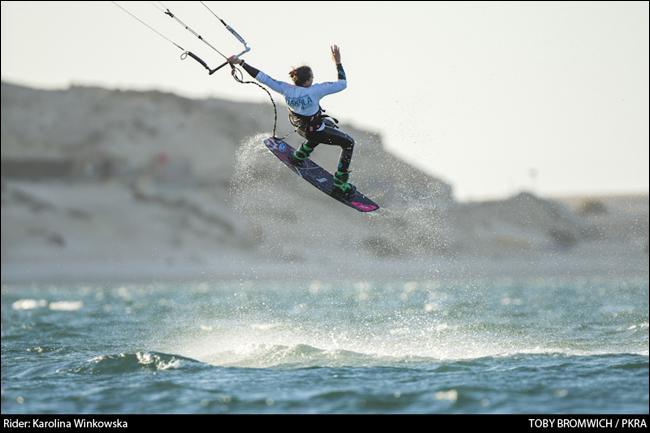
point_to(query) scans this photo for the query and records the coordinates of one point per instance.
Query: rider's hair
(300, 75)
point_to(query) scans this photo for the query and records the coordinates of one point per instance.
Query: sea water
(547, 345)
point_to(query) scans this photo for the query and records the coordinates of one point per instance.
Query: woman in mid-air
(305, 113)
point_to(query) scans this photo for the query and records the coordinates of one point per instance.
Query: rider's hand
(234, 60)
(336, 54)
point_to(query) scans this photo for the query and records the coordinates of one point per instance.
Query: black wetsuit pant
(332, 136)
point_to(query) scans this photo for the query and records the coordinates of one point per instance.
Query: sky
(493, 98)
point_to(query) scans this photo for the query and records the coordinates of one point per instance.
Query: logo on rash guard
(301, 102)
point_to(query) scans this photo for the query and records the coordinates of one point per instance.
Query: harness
(312, 123)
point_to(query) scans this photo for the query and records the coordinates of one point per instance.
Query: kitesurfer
(305, 113)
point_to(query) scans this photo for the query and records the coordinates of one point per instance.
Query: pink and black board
(319, 177)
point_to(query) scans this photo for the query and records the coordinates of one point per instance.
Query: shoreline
(240, 268)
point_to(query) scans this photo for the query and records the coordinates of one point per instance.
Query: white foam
(146, 358)
(264, 326)
(451, 395)
(66, 305)
(29, 304)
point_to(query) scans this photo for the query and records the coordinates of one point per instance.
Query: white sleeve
(330, 87)
(279, 86)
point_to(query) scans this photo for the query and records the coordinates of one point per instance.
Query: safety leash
(238, 75)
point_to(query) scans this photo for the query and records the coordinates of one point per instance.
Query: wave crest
(138, 361)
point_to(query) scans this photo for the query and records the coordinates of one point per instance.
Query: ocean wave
(300, 355)
(134, 362)
(306, 356)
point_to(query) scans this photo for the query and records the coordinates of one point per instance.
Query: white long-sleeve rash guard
(304, 101)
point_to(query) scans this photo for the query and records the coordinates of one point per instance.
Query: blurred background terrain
(105, 184)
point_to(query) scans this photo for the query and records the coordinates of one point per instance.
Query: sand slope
(117, 184)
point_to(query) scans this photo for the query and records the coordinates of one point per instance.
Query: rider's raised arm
(336, 86)
(333, 86)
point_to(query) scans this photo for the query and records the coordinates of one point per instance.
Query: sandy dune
(103, 184)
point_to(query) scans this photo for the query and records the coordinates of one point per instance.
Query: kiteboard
(319, 177)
